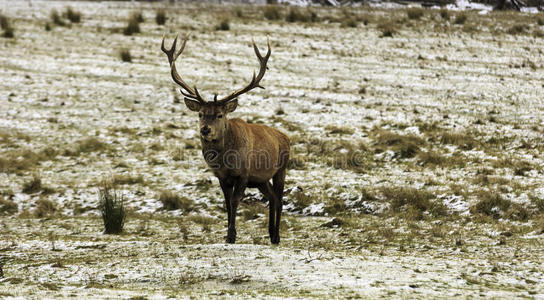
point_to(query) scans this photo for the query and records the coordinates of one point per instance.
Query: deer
(241, 155)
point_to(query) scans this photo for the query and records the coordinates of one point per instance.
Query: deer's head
(212, 114)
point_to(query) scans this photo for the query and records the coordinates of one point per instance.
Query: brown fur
(244, 155)
(241, 155)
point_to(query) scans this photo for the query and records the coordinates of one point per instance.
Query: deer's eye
(200, 115)
(219, 116)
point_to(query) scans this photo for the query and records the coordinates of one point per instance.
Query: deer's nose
(205, 130)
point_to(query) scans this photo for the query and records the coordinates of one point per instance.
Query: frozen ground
(425, 147)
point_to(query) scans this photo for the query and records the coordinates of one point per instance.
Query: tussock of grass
(127, 179)
(491, 204)
(349, 22)
(463, 140)
(518, 29)
(296, 14)
(172, 201)
(125, 55)
(414, 13)
(339, 129)
(73, 15)
(8, 207)
(224, 25)
(5, 25)
(444, 14)
(300, 199)
(461, 18)
(32, 186)
(44, 208)
(405, 146)
(272, 12)
(160, 17)
(387, 27)
(87, 145)
(133, 24)
(56, 18)
(16, 161)
(112, 208)
(431, 158)
(537, 202)
(413, 202)
(296, 162)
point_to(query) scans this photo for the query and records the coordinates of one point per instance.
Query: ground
(416, 167)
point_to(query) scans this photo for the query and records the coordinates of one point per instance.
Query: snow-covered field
(417, 162)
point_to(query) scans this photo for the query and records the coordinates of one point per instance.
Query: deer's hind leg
(279, 182)
(268, 192)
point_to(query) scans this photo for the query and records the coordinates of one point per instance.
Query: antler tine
(172, 56)
(255, 81)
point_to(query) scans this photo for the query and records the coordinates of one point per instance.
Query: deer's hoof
(275, 239)
(231, 239)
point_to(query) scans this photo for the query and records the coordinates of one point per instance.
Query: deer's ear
(192, 104)
(231, 106)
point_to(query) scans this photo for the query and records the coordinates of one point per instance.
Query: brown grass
(405, 146)
(172, 201)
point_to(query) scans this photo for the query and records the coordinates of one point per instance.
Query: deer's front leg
(239, 188)
(226, 187)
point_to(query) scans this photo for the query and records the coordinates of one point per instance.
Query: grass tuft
(444, 14)
(8, 207)
(160, 17)
(272, 12)
(73, 15)
(461, 18)
(414, 13)
(133, 24)
(490, 204)
(125, 55)
(296, 14)
(56, 18)
(387, 28)
(413, 202)
(224, 25)
(405, 146)
(518, 29)
(44, 208)
(112, 208)
(5, 25)
(172, 201)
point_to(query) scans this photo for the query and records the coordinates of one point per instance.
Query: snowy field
(416, 168)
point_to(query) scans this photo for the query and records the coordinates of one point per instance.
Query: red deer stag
(240, 154)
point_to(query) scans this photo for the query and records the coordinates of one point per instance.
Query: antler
(191, 93)
(256, 79)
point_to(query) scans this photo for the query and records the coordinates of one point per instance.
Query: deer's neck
(214, 150)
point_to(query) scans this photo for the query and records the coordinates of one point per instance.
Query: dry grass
(415, 13)
(405, 146)
(224, 24)
(8, 207)
(413, 202)
(127, 179)
(387, 27)
(125, 55)
(111, 204)
(160, 17)
(172, 201)
(44, 208)
(133, 24)
(460, 18)
(463, 140)
(56, 18)
(272, 12)
(73, 15)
